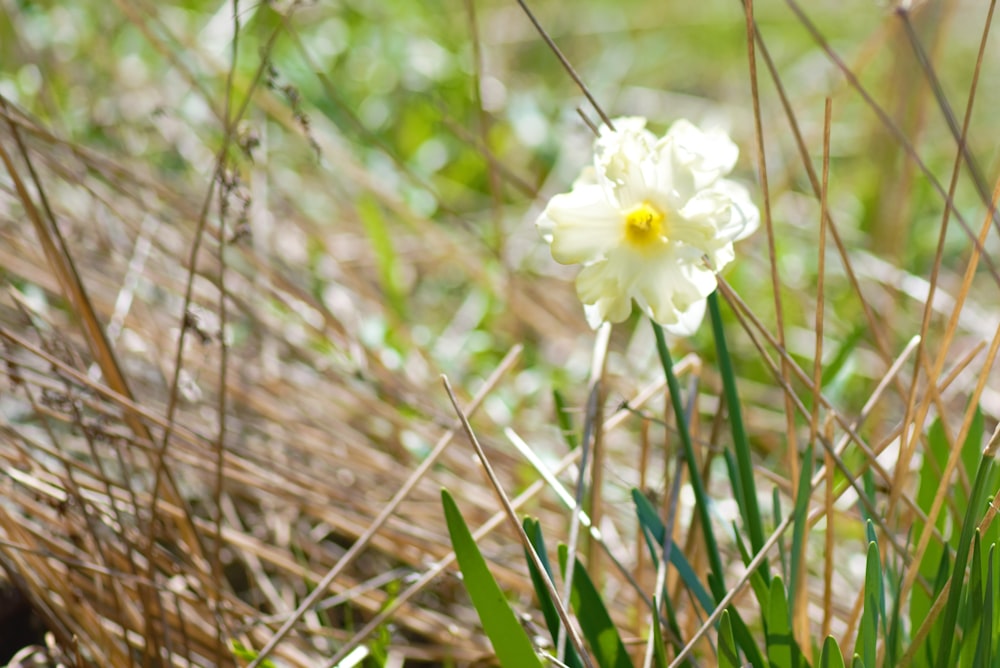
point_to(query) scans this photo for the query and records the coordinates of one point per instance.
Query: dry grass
(225, 315)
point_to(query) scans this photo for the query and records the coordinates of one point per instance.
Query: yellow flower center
(644, 225)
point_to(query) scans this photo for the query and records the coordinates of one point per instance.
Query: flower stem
(701, 497)
(741, 445)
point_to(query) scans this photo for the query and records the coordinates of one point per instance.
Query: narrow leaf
(548, 608)
(782, 652)
(741, 444)
(800, 517)
(655, 530)
(972, 614)
(777, 517)
(831, 656)
(510, 641)
(701, 498)
(659, 653)
(976, 504)
(868, 629)
(565, 420)
(595, 622)
(757, 583)
(984, 649)
(370, 214)
(729, 657)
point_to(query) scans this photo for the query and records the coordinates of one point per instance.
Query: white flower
(652, 221)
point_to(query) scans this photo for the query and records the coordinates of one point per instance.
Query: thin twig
(566, 64)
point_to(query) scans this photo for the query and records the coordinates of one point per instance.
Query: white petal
(630, 139)
(671, 288)
(688, 321)
(697, 223)
(697, 156)
(588, 177)
(682, 176)
(744, 215)
(607, 310)
(672, 187)
(624, 160)
(600, 288)
(721, 256)
(582, 226)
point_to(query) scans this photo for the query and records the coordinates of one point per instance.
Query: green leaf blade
(729, 657)
(782, 652)
(595, 621)
(831, 657)
(510, 641)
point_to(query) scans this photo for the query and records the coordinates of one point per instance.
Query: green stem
(741, 444)
(701, 498)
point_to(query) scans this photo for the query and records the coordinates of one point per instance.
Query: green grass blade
(869, 524)
(894, 633)
(933, 642)
(240, 651)
(595, 621)
(734, 477)
(867, 642)
(995, 598)
(659, 653)
(370, 214)
(991, 536)
(800, 525)
(510, 641)
(564, 418)
(777, 517)
(984, 648)
(671, 620)
(977, 500)
(741, 444)
(534, 532)
(836, 371)
(973, 609)
(729, 657)
(760, 588)
(868, 487)
(782, 652)
(831, 657)
(972, 446)
(654, 532)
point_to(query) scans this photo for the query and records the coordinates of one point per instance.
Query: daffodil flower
(652, 221)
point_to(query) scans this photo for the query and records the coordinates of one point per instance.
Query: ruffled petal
(629, 144)
(687, 321)
(581, 226)
(721, 256)
(697, 223)
(744, 216)
(601, 291)
(674, 286)
(624, 161)
(680, 179)
(698, 158)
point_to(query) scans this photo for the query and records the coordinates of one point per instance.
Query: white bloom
(653, 220)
